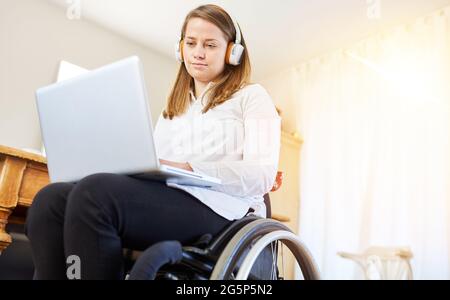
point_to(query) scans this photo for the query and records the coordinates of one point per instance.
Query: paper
(68, 70)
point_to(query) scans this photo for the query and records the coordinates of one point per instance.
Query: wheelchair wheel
(239, 257)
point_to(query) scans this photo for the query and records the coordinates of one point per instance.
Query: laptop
(100, 122)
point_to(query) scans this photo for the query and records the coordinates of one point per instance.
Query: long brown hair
(233, 77)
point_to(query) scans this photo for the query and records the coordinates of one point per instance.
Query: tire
(253, 239)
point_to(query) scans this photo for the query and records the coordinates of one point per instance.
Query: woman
(215, 123)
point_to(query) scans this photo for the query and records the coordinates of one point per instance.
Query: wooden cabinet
(22, 175)
(285, 201)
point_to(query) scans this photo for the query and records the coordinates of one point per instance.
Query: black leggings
(104, 213)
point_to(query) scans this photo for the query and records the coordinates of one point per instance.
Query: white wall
(34, 37)
(281, 87)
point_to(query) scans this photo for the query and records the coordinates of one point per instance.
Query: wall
(34, 37)
(281, 87)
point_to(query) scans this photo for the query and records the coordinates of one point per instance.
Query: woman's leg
(106, 213)
(44, 228)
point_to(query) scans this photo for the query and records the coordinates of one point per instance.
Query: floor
(16, 261)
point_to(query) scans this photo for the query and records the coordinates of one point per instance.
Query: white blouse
(237, 141)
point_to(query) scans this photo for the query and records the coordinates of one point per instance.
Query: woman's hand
(185, 166)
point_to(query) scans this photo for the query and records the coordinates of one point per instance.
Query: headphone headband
(238, 31)
(236, 28)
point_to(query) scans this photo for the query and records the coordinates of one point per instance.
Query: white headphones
(234, 51)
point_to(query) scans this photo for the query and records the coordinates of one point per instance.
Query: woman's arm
(184, 166)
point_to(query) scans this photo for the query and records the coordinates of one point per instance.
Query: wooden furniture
(285, 201)
(22, 175)
(383, 263)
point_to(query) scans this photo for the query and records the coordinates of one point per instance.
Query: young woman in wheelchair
(216, 123)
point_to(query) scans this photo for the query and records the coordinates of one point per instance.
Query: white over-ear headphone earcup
(235, 54)
(178, 52)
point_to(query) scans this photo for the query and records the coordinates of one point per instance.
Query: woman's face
(204, 50)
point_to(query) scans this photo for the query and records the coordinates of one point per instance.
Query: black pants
(104, 213)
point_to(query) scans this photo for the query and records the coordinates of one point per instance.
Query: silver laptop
(100, 122)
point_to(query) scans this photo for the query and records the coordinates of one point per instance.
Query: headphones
(234, 50)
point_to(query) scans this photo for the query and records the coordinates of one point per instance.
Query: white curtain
(375, 163)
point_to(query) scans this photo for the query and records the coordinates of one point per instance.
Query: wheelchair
(249, 248)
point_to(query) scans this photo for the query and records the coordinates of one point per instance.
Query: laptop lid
(98, 122)
(66, 70)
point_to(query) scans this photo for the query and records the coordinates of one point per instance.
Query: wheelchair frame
(234, 252)
(227, 259)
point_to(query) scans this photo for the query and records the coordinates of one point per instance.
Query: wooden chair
(383, 263)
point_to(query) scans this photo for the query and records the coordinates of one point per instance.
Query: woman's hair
(233, 77)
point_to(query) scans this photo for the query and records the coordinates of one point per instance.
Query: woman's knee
(92, 191)
(50, 201)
